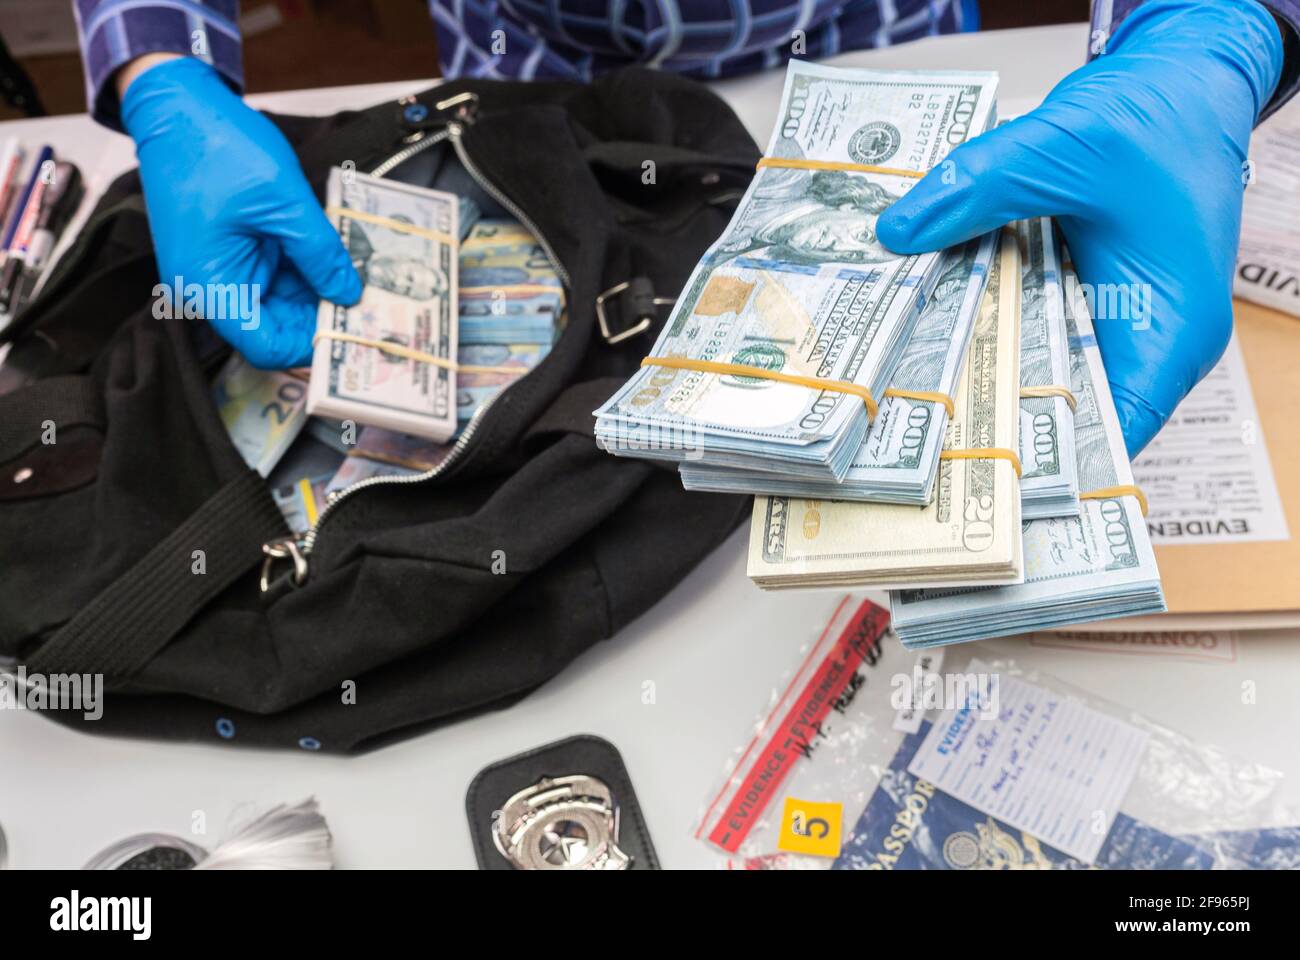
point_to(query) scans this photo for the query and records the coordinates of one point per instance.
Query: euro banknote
(970, 533)
(799, 283)
(403, 241)
(301, 502)
(476, 387)
(509, 292)
(263, 410)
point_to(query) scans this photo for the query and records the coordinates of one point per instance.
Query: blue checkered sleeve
(579, 39)
(1107, 15)
(114, 32)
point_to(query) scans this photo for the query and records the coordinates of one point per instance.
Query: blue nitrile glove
(1141, 157)
(228, 204)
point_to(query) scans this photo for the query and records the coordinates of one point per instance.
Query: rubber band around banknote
(401, 226)
(1051, 390)
(397, 350)
(516, 288)
(984, 453)
(1123, 490)
(793, 163)
(759, 373)
(925, 396)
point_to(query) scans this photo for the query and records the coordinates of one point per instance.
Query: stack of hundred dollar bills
(969, 533)
(1049, 486)
(899, 460)
(1093, 566)
(800, 284)
(982, 356)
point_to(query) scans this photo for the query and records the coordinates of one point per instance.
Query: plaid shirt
(535, 39)
(577, 39)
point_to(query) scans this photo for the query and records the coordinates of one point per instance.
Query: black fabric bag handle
(133, 618)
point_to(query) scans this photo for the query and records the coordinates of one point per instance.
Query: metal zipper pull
(284, 548)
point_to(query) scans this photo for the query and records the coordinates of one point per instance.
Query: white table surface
(714, 648)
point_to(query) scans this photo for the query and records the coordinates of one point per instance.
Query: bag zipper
(299, 549)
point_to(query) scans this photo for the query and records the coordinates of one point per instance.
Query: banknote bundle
(390, 359)
(512, 307)
(899, 460)
(1093, 566)
(799, 288)
(509, 291)
(1049, 485)
(970, 531)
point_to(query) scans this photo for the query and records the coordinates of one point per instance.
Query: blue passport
(910, 825)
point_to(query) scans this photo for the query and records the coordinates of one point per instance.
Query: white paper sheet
(1039, 761)
(1268, 259)
(1207, 474)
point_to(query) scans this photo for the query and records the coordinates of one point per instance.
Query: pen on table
(24, 228)
(46, 153)
(57, 205)
(11, 161)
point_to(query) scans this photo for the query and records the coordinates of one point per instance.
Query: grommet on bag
(637, 300)
(417, 117)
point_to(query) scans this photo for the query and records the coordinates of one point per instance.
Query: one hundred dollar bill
(969, 534)
(899, 460)
(1049, 486)
(1094, 566)
(799, 282)
(403, 242)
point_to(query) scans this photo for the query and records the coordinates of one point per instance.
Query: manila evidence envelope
(1248, 585)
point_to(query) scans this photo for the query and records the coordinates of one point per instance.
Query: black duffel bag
(412, 601)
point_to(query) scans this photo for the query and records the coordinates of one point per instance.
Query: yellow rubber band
(984, 453)
(515, 288)
(795, 164)
(397, 350)
(1124, 490)
(925, 396)
(1051, 390)
(743, 370)
(399, 225)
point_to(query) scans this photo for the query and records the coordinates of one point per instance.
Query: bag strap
(66, 401)
(133, 618)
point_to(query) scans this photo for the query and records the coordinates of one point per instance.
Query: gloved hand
(228, 204)
(1140, 157)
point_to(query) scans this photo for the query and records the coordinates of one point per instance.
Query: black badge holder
(559, 802)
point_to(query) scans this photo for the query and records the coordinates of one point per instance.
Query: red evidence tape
(798, 724)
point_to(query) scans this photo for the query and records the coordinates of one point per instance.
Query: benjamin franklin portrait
(828, 217)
